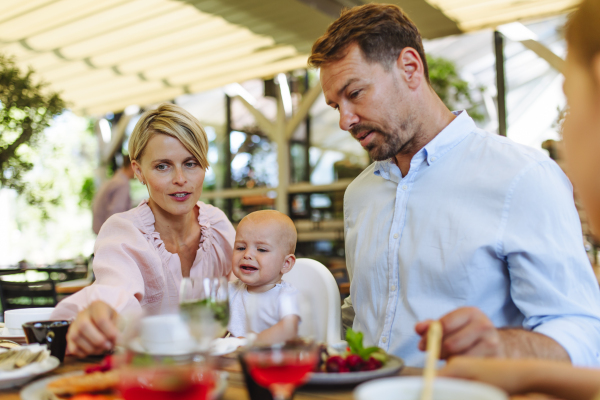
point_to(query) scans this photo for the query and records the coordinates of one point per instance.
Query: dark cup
(51, 333)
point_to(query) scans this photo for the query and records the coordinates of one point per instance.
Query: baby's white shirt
(269, 307)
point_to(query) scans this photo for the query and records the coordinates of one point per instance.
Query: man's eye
(354, 94)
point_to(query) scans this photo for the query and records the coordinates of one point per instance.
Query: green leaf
(355, 341)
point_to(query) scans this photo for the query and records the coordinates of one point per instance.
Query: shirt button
(433, 159)
(393, 288)
(384, 339)
(395, 236)
(404, 187)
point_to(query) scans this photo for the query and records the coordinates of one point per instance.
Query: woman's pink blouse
(135, 272)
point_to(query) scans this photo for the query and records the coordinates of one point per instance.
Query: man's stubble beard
(393, 141)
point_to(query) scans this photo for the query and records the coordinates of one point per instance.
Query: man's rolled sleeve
(552, 282)
(577, 335)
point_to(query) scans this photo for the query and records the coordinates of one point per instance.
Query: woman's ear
(137, 170)
(596, 72)
(288, 263)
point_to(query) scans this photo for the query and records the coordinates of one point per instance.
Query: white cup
(165, 334)
(14, 319)
(409, 388)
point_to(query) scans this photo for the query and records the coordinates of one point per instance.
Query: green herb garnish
(355, 343)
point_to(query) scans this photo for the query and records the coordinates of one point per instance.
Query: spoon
(434, 342)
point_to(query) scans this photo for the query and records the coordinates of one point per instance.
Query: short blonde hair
(172, 120)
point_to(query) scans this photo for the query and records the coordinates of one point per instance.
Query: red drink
(170, 383)
(281, 368)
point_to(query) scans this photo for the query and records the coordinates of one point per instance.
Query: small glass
(204, 306)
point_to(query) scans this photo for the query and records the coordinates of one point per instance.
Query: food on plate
(22, 356)
(96, 382)
(355, 358)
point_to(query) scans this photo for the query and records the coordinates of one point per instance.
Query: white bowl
(165, 334)
(14, 319)
(409, 388)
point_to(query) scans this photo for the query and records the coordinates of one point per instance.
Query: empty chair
(321, 298)
(27, 294)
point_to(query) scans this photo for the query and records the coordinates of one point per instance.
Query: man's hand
(466, 331)
(94, 331)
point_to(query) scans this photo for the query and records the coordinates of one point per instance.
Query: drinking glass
(204, 306)
(282, 367)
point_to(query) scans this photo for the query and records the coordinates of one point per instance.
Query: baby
(264, 247)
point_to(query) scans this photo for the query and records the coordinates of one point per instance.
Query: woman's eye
(190, 164)
(161, 167)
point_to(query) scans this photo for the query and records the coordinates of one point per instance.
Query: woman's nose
(179, 178)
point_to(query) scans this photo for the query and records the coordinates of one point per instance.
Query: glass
(166, 382)
(281, 367)
(204, 306)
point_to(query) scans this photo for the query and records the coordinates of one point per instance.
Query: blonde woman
(142, 255)
(582, 149)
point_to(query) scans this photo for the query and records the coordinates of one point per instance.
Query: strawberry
(336, 364)
(354, 362)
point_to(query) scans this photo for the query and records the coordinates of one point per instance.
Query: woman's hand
(94, 331)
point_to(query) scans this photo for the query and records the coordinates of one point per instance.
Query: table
(236, 388)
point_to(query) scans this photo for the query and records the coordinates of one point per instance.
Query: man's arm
(468, 331)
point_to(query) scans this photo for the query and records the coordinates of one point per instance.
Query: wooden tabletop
(236, 388)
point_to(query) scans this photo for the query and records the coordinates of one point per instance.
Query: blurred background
(76, 74)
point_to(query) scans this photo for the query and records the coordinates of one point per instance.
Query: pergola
(107, 55)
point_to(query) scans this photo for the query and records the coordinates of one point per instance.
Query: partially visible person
(581, 135)
(450, 222)
(142, 255)
(112, 196)
(264, 247)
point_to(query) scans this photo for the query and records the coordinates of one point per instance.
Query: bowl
(409, 388)
(14, 319)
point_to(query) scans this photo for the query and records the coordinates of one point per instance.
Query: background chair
(320, 291)
(27, 294)
(65, 289)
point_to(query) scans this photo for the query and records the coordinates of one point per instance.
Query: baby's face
(258, 254)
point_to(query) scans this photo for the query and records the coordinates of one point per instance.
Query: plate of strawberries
(350, 362)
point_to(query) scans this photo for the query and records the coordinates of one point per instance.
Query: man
(113, 196)
(450, 222)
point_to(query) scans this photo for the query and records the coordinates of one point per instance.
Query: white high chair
(319, 288)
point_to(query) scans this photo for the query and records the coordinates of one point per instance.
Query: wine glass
(281, 367)
(204, 306)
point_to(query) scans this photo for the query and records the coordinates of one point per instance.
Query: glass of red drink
(167, 382)
(282, 367)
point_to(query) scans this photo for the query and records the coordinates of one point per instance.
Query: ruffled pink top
(135, 272)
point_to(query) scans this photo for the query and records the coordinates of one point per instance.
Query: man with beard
(450, 222)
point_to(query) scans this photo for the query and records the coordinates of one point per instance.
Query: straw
(434, 342)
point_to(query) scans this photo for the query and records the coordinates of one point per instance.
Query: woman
(582, 151)
(142, 255)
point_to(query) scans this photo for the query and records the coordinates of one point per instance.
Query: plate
(15, 338)
(392, 367)
(18, 377)
(37, 389)
(220, 346)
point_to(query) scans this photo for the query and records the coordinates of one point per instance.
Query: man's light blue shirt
(478, 221)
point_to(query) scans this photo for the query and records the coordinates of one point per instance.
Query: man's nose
(348, 118)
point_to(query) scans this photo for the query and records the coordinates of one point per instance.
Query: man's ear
(288, 263)
(411, 66)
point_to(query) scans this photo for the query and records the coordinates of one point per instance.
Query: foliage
(26, 109)
(454, 92)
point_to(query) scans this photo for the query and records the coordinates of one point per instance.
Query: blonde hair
(172, 120)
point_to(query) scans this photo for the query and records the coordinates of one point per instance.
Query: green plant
(454, 91)
(26, 109)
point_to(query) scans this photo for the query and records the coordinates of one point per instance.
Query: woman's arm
(554, 378)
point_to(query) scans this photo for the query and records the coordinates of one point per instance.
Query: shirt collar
(444, 141)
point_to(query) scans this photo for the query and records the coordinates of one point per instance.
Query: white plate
(220, 346)
(391, 367)
(37, 389)
(18, 377)
(410, 387)
(5, 335)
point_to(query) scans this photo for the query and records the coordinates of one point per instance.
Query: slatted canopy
(109, 54)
